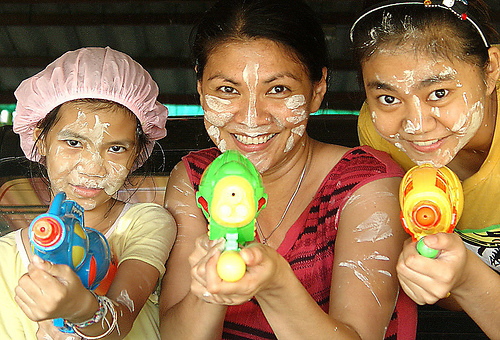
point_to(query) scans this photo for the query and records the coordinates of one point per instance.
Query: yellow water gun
(431, 201)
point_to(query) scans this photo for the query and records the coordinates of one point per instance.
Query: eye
(277, 89)
(388, 100)
(228, 89)
(438, 94)
(117, 149)
(73, 143)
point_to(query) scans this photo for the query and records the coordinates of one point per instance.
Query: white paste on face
(412, 127)
(375, 228)
(296, 104)
(251, 79)
(214, 133)
(219, 110)
(290, 143)
(88, 169)
(222, 146)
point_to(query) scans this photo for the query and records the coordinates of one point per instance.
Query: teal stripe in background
(195, 110)
(6, 111)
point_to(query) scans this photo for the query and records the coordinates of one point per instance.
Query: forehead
(271, 56)
(90, 113)
(403, 63)
(82, 117)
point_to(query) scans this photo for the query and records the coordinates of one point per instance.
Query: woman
(332, 217)
(431, 79)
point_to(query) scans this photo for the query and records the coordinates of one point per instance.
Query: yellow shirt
(144, 231)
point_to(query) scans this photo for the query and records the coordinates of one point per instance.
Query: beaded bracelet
(94, 319)
(105, 304)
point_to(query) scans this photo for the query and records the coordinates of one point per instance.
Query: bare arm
(364, 284)
(179, 308)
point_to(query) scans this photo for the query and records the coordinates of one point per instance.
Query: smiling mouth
(425, 143)
(253, 140)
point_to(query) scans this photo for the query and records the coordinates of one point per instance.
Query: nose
(91, 164)
(420, 117)
(253, 113)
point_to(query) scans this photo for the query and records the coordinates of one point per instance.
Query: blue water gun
(60, 237)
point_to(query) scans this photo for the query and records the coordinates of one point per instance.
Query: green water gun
(231, 195)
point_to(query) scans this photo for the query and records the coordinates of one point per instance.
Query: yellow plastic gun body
(431, 202)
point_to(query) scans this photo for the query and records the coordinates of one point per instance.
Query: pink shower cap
(93, 72)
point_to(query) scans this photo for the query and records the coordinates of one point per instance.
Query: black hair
(291, 23)
(436, 31)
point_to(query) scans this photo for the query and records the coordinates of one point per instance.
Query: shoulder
(201, 158)
(197, 161)
(366, 159)
(148, 218)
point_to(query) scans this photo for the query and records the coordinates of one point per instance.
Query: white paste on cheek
(290, 143)
(296, 105)
(251, 79)
(375, 228)
(219, 110)
(214, 133)
(222, 146)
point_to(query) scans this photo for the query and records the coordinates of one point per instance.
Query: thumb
(441, 241)
(252, 254)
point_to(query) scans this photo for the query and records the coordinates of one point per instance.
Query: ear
(493, 70)
(319, 92)
(40, 145)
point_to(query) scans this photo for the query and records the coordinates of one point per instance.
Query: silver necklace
(264, 238)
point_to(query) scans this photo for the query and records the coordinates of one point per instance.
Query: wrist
(88, 307)
(466, 280)
(279, 281)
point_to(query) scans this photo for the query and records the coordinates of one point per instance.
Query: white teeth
(426, 143)
(253, 140)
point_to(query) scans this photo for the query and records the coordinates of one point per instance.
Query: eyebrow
(280, 76)
(441, 78)
(222, 77)
(64, 133)
(267, 81)
(74, 135)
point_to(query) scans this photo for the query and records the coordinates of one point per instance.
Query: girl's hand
(49, 291)
(47, 331)
(427, 280)
(263, 265)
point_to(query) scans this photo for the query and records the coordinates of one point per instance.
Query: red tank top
(309, 244)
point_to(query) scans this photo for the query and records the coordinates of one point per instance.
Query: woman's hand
(49, 291)
(263, 267)
(427, 280)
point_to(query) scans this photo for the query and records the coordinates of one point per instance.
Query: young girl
(90, 118)
(431, 79)
(329, 237)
